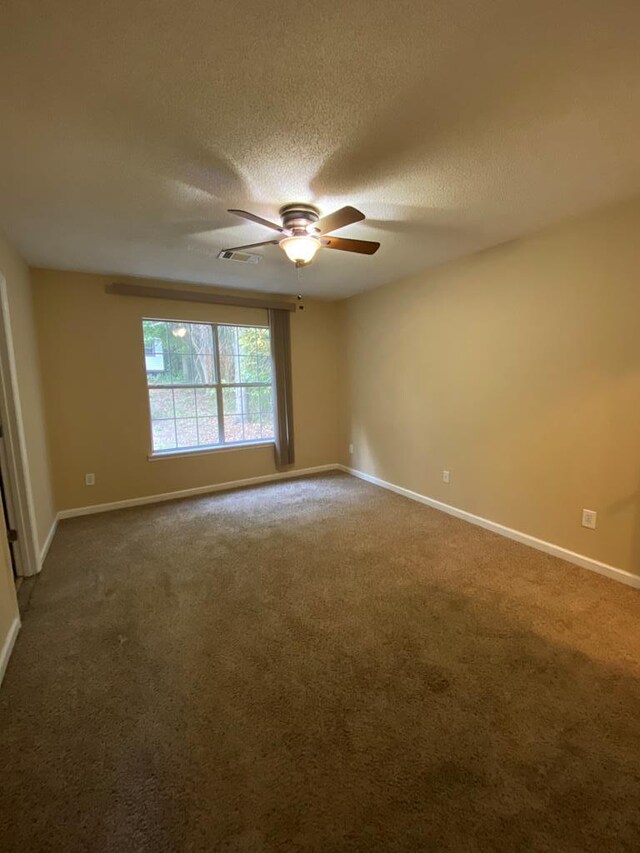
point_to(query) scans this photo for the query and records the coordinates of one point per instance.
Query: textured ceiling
(127, 128)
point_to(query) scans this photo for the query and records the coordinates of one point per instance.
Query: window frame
(218, 386)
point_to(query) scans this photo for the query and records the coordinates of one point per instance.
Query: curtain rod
(193, 296)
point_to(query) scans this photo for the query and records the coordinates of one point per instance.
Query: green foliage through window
(209, 385)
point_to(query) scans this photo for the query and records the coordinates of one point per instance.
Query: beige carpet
(317, 665)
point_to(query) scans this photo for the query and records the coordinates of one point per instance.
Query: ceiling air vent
(240, 257)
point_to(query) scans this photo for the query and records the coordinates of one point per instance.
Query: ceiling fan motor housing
(296, 218)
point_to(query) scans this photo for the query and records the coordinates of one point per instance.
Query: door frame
(8, 516)
(15, 477)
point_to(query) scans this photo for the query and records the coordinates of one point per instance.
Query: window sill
(200, 451)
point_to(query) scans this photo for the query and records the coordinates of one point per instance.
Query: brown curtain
(281, 359)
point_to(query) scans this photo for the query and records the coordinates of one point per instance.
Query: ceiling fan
(304, 231)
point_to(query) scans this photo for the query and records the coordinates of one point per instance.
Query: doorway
(15, 491)
(8, 513)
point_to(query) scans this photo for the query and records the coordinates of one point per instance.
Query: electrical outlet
(589, 517)
(351, 448)
(89, 479)
(446, 477)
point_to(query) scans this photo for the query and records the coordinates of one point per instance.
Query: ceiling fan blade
(252, 246)
(362, 247)
(252, 216)
(338, 219)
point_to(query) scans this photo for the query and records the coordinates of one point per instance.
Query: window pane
(243, 417)
(263, 368)
(181, 368)
(267, 426)
(232, 401)
(192, 370)
(161, 404)
(266, 400)
(179, 353)
(187, 432)
(233, 428)
(255, 368)
(228, 340)
(155, 351)
(154, 330)
(178, 337)
(164, 435)
(245, 342)
(207, 431)
(206, 402)
(201, 338)
(248, 369)
(252, 428)
(185, 402)
(229, 369)
(203, 369)
(253, 342)
(252, 399)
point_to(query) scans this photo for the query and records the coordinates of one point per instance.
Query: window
(209, 384)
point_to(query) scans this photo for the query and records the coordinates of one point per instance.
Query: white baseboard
(200, 490)
(548, 547)
(45, 548)
(7, 646)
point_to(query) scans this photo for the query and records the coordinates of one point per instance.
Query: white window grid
(219, 387)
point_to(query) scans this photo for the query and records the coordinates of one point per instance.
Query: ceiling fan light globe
(301, 249)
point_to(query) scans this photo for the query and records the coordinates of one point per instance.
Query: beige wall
(518, 370)
(96, 402)
(29, 388)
